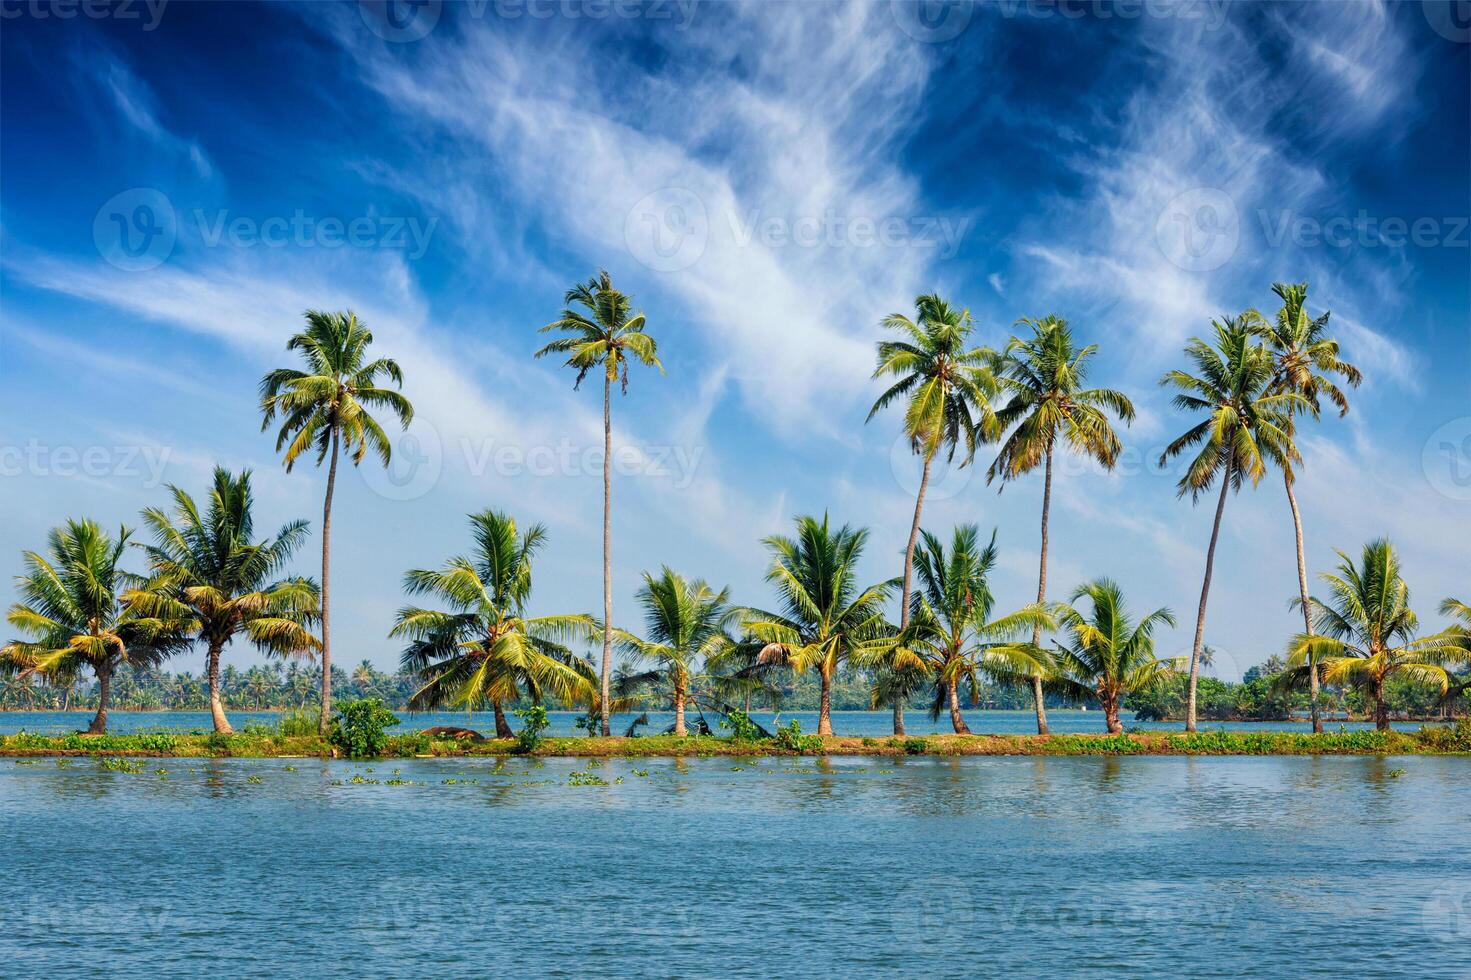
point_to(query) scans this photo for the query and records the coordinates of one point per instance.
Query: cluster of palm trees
(211, 579)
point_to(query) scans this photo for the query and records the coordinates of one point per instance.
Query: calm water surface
(564, 722)
(1264, 867)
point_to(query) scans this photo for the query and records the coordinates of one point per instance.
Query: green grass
(266, 743)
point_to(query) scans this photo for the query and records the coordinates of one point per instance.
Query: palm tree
(1365, 631)
(1247, 424)
(484, 647)
(362, 676)
(326, 408)
(1305, 358)
(1044, 376)
(951, 638)
(611, 335)
(947, 390)
(72, 608)
(685, 622)
(824, 618)
(208, 572)
(1110, 656)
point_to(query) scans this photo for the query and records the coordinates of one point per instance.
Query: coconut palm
(1365, 631)
(328, 408)
(484, 648)
(1247, 424)
(1109, 656)
(604, 332)
(947, 389)
(951, 639)
(73, 612)
(685, 622)
(1306, 359)
(208, 572)
(1043, 376)
(823, 617)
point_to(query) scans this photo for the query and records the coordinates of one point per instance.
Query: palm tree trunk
(1111, 714)
(607, 551)
(502, 726)
(1205, 588)
(104, 694)
(324, 723)
(212, 671)
(956, 721)
(825, 704)
(924, 483)
(1037, 698)
(1307, 615)
(679, 729)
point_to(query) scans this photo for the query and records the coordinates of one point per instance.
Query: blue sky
(768, 181)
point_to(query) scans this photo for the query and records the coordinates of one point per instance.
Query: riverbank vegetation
(208, 579)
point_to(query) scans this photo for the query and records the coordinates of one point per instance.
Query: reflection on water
(847, 866)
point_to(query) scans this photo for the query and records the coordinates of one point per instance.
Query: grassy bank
(1427, 741)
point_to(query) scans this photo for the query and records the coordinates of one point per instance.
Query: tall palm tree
(1247, 424)
(1109, 655)
(604, 332)
(72, 610)
(1365, 631)
(1306, 357)
(1044, 376)
(328, 408)
(685, 622)
(823, 617)
(951, 638)
(208, 572)
(484, 648)
(947, 389)
(362, 676)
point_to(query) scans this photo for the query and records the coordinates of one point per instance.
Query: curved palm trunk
(502, 726)
(1037, 698)
(104, 694)
(1307, 615)
(212, 671)
(956, 721)
(1110, 703)
(324, 723)
(1205, 588)
(924, 483)
(607, 551)
(825, 704)
(679, 696)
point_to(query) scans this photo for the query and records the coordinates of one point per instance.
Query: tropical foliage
(328, 409)
(483, 648)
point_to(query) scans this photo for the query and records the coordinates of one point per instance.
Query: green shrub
(740, 725)
(1453, 738)
(534, 722)
(297, 723)
(915, 746)
(359, 728)
(790, 737)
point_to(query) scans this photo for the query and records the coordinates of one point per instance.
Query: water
(712, 867)
(855, 723)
